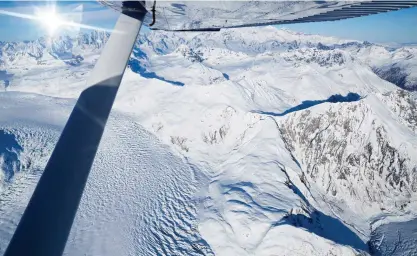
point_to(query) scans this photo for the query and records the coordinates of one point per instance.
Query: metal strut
(153, 14)
(46, 223)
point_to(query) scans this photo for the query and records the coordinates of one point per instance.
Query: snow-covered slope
(145, 206)
(296, 145)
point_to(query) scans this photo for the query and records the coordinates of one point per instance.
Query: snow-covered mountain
(45, 49)
(397, 65)
(297, 144)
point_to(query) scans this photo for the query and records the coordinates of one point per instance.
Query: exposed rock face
(323, 57)
(403, 106)
(347, 150)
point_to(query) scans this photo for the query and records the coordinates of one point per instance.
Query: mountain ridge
(394, 65)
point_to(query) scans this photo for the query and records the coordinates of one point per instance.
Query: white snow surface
(140, 198)
(241, 142)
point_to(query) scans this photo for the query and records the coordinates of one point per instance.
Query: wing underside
(216, 14)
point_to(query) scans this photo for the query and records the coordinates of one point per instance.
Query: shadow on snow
(9, 153)
(327, 227)
(350, 97)
(321, 224)
(138, 67)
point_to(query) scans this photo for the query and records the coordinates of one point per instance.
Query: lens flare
(50, 19)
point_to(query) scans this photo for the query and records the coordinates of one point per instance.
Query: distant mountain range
(396, 65)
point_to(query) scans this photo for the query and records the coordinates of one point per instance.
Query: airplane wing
(216, 14)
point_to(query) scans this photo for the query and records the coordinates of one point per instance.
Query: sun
(50, 19)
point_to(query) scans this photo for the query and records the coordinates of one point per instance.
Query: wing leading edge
(213, 15)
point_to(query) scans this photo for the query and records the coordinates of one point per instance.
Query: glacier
(119, 212)
(241, 142)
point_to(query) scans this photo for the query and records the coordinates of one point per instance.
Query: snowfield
(240, 142)
(140, 199)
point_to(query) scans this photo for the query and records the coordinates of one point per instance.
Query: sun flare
(50, 19)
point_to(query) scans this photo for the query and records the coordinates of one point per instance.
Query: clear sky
(393, 27)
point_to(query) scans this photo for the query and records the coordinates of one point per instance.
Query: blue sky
(392, 27)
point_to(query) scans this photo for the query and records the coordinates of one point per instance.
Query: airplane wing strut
(46, 223)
